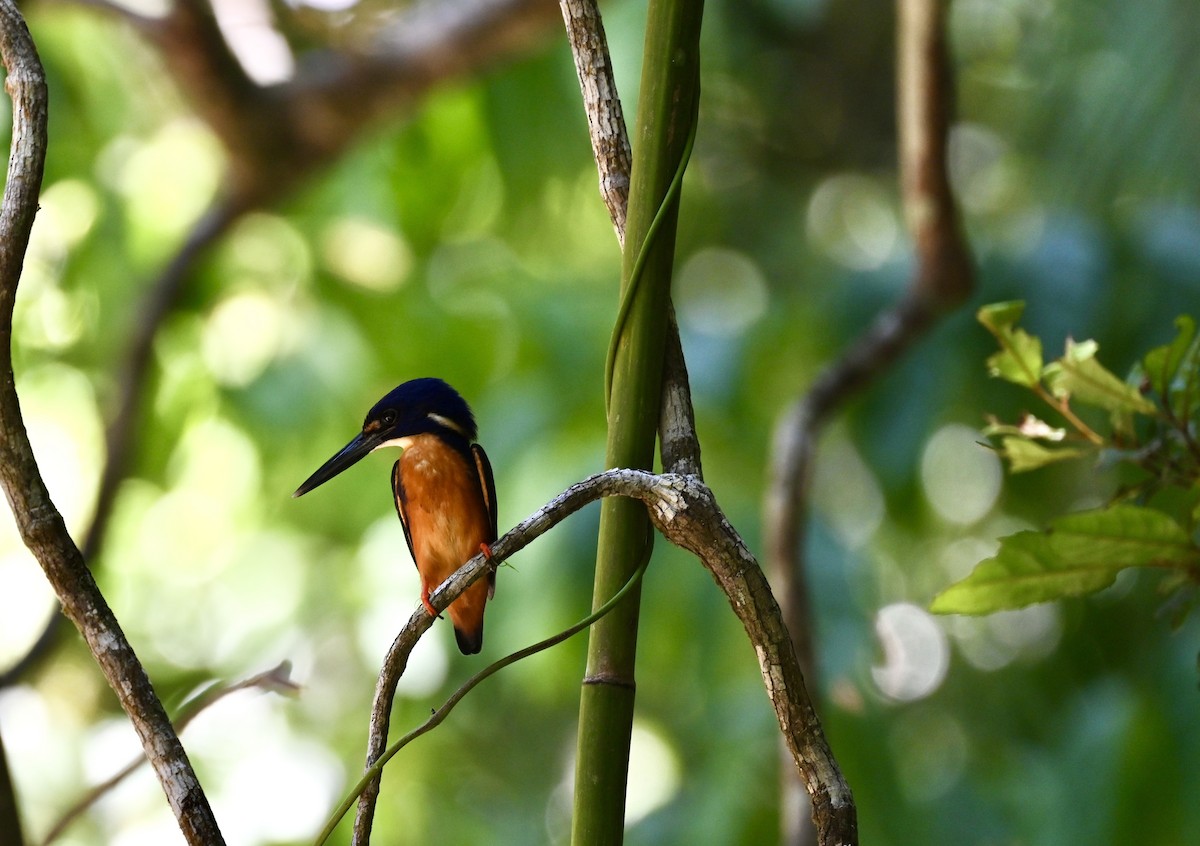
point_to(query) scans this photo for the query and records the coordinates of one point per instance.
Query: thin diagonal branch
(276, 679)
(39, 522)
(942, 279)
(159, 302)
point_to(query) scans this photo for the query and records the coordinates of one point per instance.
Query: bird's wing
(487, 486)
(401, 507)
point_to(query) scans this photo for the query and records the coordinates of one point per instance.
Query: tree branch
(685, 511)
(606, 122)
(941, 280)
(38, 521)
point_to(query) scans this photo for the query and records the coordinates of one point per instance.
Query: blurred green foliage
(469, 242)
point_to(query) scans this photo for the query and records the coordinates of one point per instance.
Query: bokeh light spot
(167, 180)
(995, 641)
(851, 219)
(961, 478)
(242, 336)
(250, 32)
(69, 209)
(915, 651)
(930, 751)
(269, 247)
(720, 292)
(67, 436)
(366, 254)
(653, 772)
(25, 602)
(847, 493)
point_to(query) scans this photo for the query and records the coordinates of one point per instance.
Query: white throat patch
(403, 443)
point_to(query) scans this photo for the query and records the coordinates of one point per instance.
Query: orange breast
(447, 521)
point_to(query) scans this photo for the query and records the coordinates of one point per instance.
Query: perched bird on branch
(444, 490)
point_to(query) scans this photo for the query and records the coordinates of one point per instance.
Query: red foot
(486, 550)
(429, 607)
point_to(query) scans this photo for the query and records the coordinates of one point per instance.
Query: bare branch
(942, 279)
(39, 522)
(687, 514)
(924, 94)
(277, 135)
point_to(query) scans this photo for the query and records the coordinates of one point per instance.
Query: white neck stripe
(447, 422)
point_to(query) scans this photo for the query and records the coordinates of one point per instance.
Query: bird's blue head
(417, 407)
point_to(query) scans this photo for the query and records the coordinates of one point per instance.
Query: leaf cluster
(1151, 427)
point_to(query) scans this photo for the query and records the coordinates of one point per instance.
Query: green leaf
(1020, 356)
(1080, 376)
(1162, 364)
(1023, 454)
(1081, 553)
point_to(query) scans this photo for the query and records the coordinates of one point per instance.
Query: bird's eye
(389, 417)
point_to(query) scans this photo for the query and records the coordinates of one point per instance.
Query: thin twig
(941, 280)
(276, 679)
(39, 522)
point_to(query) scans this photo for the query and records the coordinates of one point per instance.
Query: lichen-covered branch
(606, 121)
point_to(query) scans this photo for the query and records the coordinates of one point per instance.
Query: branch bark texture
(606, 121)
(38, 521)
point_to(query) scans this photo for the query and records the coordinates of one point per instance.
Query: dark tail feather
(469, 643)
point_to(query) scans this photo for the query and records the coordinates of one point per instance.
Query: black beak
(347, 456)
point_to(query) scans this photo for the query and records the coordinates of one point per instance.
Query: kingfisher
(443, 487)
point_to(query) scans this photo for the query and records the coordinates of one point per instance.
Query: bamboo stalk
(666, 116)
